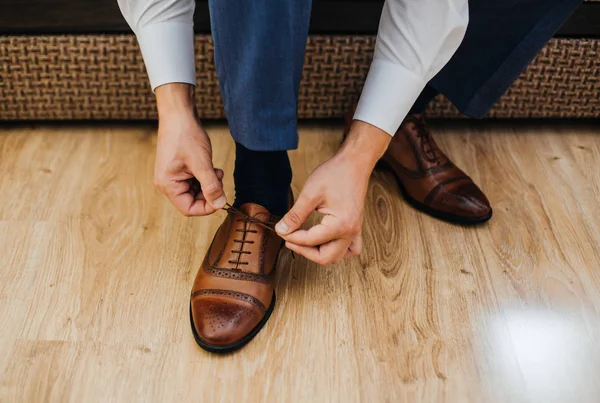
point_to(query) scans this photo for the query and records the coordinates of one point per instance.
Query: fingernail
(282, 228)
(220, 202)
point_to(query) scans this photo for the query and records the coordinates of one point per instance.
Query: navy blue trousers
(502, 38)
(259, 55)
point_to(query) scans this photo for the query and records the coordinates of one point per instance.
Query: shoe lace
(428, 148)
(246, 219)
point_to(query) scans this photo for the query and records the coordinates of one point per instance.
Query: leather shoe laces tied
(246, 219)
(269, 225)
(429, 151)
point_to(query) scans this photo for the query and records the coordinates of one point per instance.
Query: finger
(309, 252)
(210, 185)
(183, 198)
(195, 188)
(334, 251)
(355, 247)
(317, 235)
(297, 215)
(331, 252)
(188, 206)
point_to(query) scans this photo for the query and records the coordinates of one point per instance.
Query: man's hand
(183, 169)
(337, 189)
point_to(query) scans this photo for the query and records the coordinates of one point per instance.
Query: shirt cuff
(387, 96)
(168, 51)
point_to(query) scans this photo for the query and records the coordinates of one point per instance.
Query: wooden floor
(96, 269)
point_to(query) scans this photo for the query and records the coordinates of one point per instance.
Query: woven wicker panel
(73, 77)
(103, 77)
(562, 82)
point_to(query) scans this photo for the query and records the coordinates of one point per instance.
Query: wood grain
(96, 269)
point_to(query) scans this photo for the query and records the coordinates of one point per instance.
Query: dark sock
(423, 100)
(262, 177)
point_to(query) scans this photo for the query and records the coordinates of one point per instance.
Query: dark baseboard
(352, 17)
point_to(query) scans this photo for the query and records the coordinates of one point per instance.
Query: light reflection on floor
(543, 356)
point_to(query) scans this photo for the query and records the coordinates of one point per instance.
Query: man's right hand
(184, 154)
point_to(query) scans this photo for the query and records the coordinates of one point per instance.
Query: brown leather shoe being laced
(233, 294)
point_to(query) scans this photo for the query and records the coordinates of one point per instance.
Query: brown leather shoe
(429, 181)
(233, 296)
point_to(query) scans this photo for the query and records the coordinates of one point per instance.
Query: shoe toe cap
(465, 200)
(219, 322)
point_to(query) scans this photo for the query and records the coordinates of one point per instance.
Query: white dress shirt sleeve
(165, 33)
(416, 39)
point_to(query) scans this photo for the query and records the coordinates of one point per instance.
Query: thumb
(210, 185)
(297, 215)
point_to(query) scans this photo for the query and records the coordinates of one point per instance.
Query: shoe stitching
(231, 294)
(438, 188)
(237, 275)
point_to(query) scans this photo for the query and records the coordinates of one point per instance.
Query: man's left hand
(336, 189)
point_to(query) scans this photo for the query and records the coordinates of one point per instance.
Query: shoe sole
(237, 345)
(448, 217)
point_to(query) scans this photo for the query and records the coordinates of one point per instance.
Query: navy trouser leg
(502, 38)
(259, 55)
